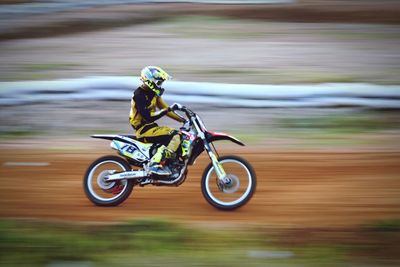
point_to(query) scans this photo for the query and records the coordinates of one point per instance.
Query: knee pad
(174, 143)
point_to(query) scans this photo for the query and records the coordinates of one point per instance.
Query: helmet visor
(159, 83)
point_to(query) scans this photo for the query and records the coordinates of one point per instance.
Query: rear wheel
(238, 188)
(101, 192)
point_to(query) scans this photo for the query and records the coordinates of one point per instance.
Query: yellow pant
(160, 134)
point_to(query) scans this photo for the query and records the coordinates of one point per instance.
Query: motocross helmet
(154, 77)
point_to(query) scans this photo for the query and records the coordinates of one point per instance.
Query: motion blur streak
(214, 94)
(310, 86)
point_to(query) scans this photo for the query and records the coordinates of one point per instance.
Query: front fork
(219, 170)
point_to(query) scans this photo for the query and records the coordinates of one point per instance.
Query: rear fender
(128, 146)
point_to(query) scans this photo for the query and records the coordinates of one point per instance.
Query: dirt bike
(228, 182)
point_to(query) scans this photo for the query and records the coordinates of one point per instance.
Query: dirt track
(302, 189)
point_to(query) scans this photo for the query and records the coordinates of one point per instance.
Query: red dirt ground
(294, 189)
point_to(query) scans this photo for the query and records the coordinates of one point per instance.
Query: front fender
(217, 136)
(198, 146)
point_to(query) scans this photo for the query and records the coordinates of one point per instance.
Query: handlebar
(189, 113)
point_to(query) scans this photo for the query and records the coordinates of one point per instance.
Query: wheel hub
(101, 180)
(230, 184)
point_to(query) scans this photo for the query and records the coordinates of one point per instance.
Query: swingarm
(126, 175)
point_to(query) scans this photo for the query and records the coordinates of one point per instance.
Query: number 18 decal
(128, 148)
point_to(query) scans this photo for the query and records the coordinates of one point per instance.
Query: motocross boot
(155, 163)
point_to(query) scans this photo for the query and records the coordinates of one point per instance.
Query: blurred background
(311, 86)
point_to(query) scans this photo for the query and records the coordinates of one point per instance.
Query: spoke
(99, 187)
(237, 186)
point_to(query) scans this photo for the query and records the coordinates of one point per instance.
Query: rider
(145, 101)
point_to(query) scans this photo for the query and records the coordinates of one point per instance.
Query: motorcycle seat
(131, 136)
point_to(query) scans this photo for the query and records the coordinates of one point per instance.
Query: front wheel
(236, 191)
(101, 192)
